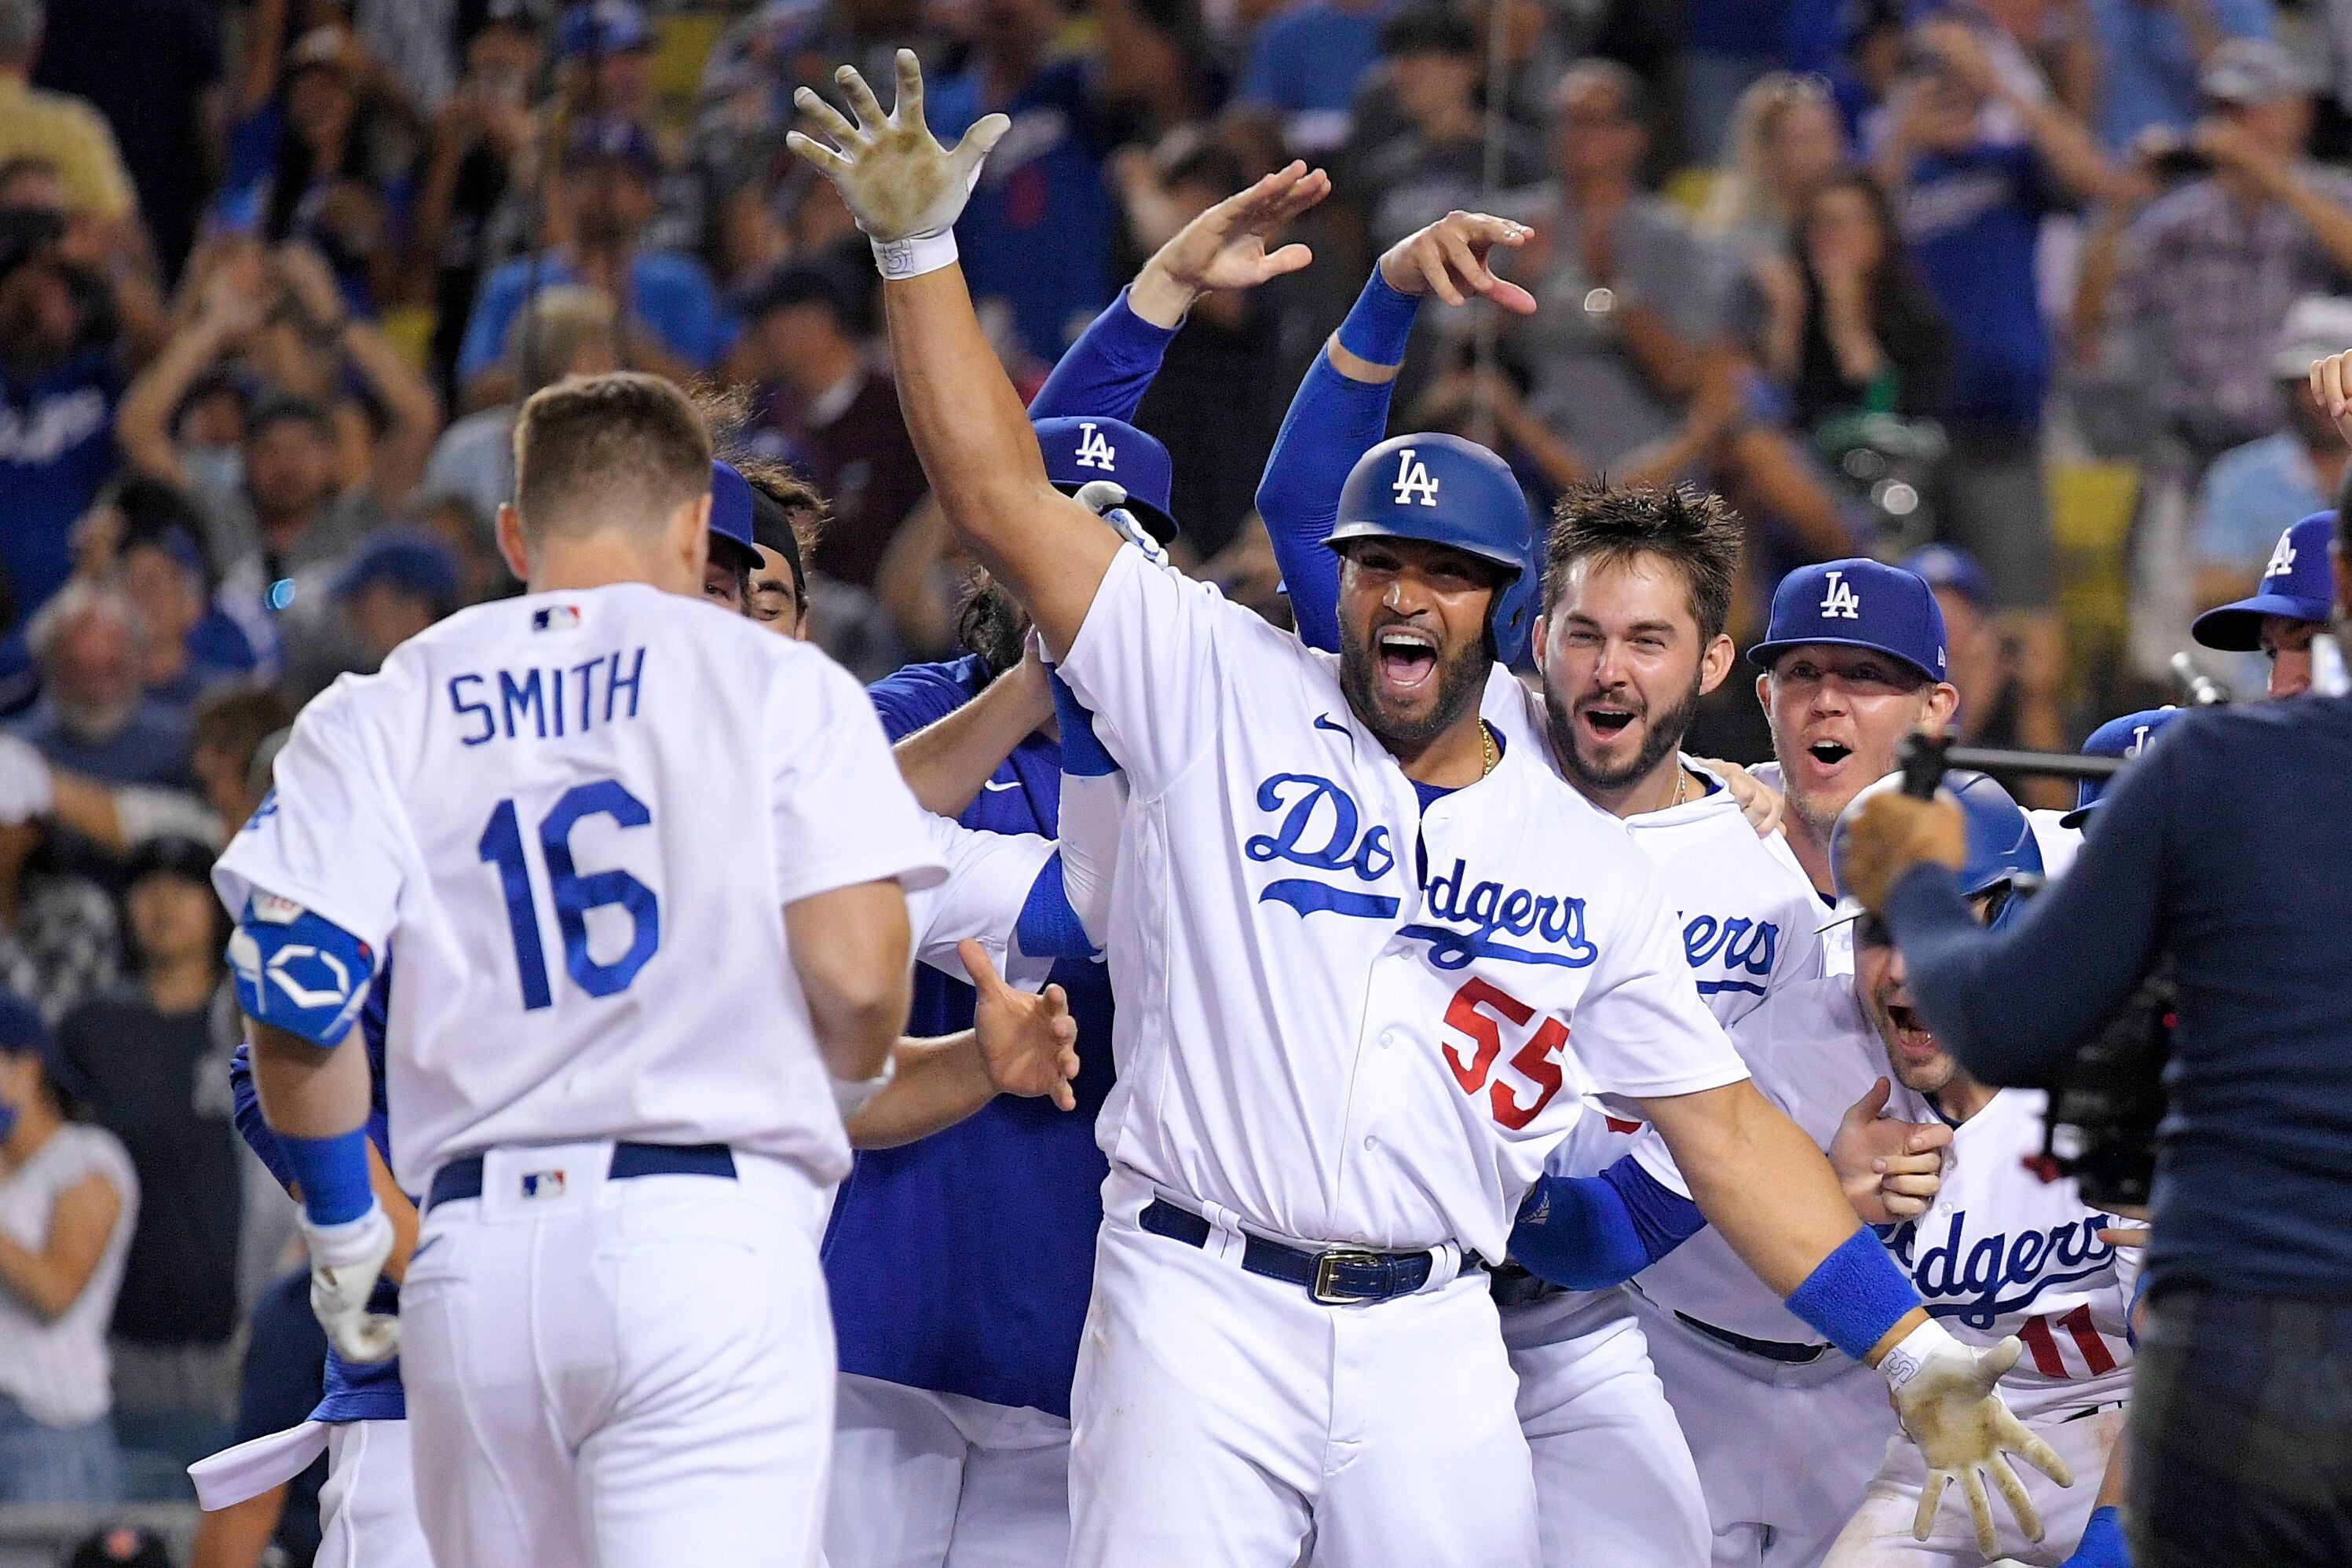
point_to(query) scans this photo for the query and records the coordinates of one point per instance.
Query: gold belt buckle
(1327, 1263)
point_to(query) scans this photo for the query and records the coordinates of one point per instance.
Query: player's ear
(689, 538)
(1764, 692)
(1943, 702)
(511, 541)
(1715, 664)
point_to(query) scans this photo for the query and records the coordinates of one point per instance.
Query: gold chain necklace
(1493, 756)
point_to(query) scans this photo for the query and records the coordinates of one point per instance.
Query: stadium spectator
(1307, 61)
(148, 535)
(2204, 275)
(1785, 138)
(339, 171)
(2006, 699)
(69, 1204)
(566, 330)
(163, 99)
(394, 586)
(2151, 54)
(472, 211)
(155, 1054)
(1419, 145)
(596, 235)
(1861, 333)
(95, 716)
(57, 128)
(471, 536)
(1971, 200)
(830, 410)
(2254, 493)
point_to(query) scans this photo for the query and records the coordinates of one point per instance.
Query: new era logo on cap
(1857, 604)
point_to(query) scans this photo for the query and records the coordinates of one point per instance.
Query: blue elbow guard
(1047, 927)
(1082, 754)
(298, 971)
(1855, 1296)
(1577, 1231)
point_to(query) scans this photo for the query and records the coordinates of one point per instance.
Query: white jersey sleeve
(327, 835)
(1643, 1032)
(1145, 664)
(988, 883)
(843, 814)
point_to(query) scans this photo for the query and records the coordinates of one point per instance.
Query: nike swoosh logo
(1325, 721)
(992, 784)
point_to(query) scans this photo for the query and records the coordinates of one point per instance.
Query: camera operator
(2214, 849)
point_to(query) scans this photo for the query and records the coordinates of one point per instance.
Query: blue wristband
(2102, 1544)
(1376, 330)
(333, 1174)
(1855, 1296)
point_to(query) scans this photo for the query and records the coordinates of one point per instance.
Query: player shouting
(1350, 926)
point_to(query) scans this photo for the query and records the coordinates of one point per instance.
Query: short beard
(1461, 683)
(1660, 736)
(991, 625)
(94, 725)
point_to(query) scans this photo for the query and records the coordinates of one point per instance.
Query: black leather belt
(1341, 1277)
(1779, 1350)
(463, 1179)
(1514, 1286)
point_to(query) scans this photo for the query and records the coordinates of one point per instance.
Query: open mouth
(1911, 1035)
(1408, 660)
(1607, 721)
(1829, 753)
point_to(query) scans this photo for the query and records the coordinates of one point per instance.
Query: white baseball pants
(367, 1509)
(939, 1481)
(1225, 1418)
(1614, 1481)
(631, 1373)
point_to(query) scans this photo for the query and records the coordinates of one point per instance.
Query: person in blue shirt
(1037, 232)
(1974, 163)
(1307, 61)
(2151, 53)
(607, 198)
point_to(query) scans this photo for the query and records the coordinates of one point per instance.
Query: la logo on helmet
(1095, 450)
(1414, 481)
(1840, 601)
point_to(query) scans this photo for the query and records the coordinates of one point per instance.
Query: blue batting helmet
(1444, 490)
(2002, 847)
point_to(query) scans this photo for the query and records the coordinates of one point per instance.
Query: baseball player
(2001, 1253)
(617, 1348)
(2288, 608)
(2059, 834)
(1349, 923)
(1636, 591)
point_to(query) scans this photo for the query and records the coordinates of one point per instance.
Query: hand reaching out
(896, 178)
(1890, 1169)
(1448, 259)
(1028, 1041)
(1224, 247)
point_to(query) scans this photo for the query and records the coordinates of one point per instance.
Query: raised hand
(1950, 1408)
(1448, 259)
(1224, 247)
(1029, 1042)
(1891, 1169)
(2331, 387)
(896, 178)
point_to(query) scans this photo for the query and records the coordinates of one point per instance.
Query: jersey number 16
(573, 895)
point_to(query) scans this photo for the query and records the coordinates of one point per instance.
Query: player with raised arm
(1350, 924)
(630, 961)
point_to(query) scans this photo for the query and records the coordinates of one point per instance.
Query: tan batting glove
(346, 1260)
(905, 190)
(1944, 1394)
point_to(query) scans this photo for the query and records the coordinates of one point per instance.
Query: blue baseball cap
(603, 27)
(612, 140)
(1080, 451)
(1942, 566)
(24, 1033)
(2297, 584)
(1856, 603)
(731, 518)
(2125, 736)
(405, 560)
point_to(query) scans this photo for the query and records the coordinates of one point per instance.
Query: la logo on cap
(1414, 481)
(1095, 450)
(2282, 557)
(1841, 602)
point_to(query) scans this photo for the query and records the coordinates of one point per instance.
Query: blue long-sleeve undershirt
(1109, 369)
(1333, 421)
(1588, 1233)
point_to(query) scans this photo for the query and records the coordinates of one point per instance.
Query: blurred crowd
(2020, 291)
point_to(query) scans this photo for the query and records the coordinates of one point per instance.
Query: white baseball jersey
(1343, 1018)
(2058, 843)
(2003, 1252)
(1836, 941)
(989, 877)
(576, 818)
(1813, 1054)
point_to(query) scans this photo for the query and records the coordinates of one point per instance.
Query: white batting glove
(1106, 499)
(905, 190)
(27, 789)
(1944, 1394)
(346, 1260)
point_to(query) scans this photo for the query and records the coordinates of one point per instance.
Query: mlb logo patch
(542, 1184)
(556, 617)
